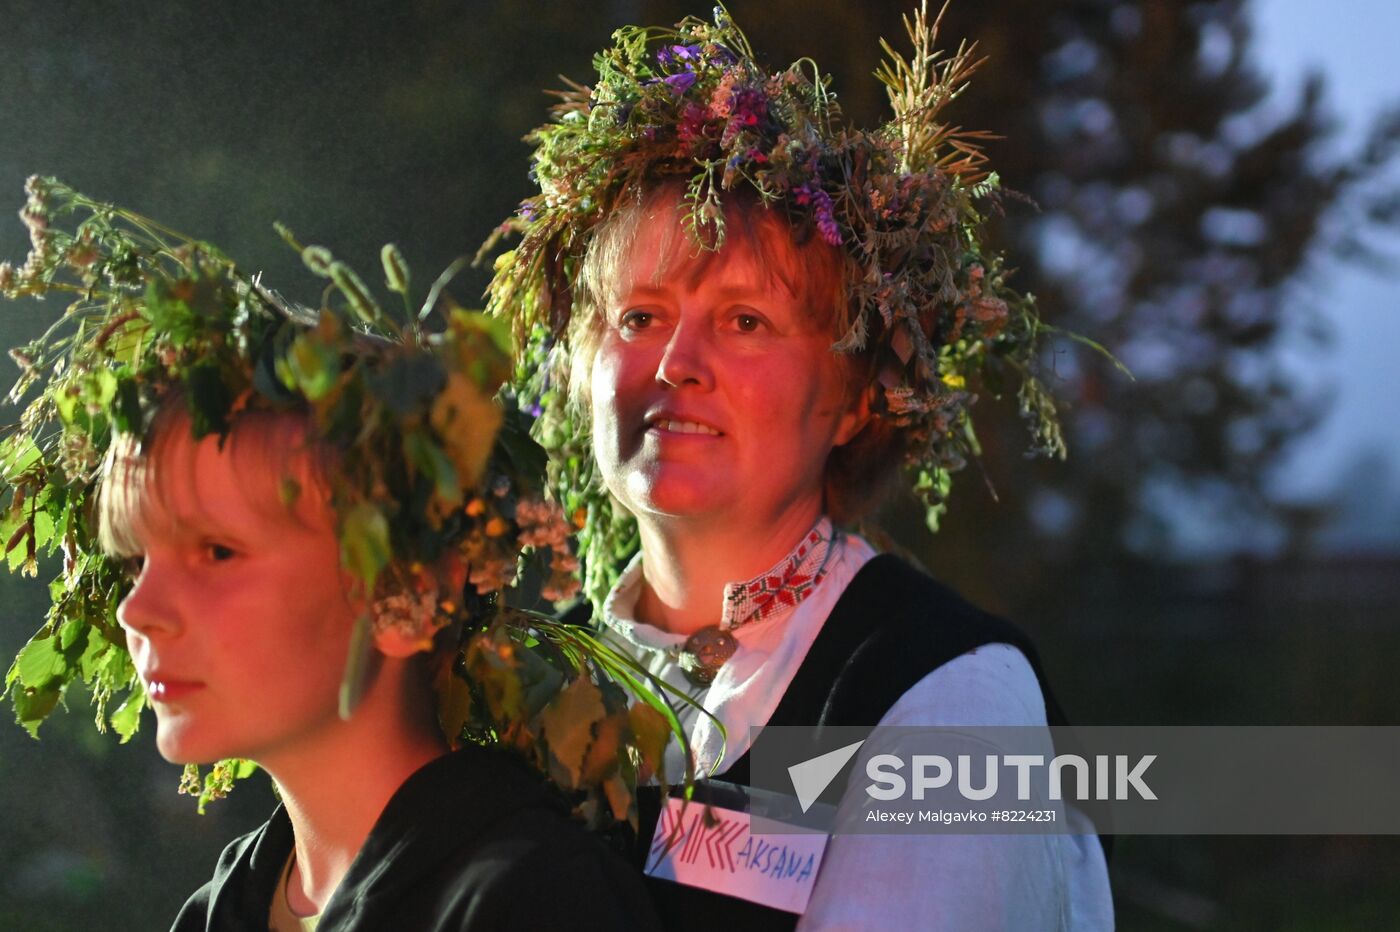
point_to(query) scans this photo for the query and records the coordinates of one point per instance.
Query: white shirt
(955, 882)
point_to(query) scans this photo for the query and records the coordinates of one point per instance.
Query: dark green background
(363, 122)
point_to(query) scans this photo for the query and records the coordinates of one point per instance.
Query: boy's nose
(148, 608)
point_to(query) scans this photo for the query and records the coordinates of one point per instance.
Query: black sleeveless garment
(892, 626)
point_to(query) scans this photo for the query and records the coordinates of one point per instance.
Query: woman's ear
(855, 417)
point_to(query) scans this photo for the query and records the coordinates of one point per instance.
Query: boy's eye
(132, 565)
(218, 553)
(636, 319)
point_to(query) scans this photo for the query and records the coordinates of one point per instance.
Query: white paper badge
(711, 847)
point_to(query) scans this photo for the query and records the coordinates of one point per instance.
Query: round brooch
(705, 652)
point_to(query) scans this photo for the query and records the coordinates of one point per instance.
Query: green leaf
(208, 398)
(454, 702)
(16, 557)
(310, 366)
(525, 454)
(69, 634)
(433, 463)
(127, 718)
(18, 452)
(94, 657)
(568, 726)
(40, 664)
(364, 543)
(43, 528)
(356, 676)
(126, 413)
(33, 706)
(407, 385)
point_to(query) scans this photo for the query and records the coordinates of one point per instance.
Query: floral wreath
(906, 202)
(431, 473)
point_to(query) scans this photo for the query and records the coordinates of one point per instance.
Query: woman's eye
(748, 323)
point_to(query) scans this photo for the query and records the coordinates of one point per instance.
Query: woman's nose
(688, 359)
(149, 609)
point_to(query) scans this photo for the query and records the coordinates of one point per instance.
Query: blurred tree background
(1165, 581)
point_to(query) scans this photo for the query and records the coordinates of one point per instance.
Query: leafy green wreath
(906, 202)
(430, 471)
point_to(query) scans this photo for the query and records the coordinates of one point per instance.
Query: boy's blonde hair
(286, 472)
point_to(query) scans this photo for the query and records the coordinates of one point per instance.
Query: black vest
(892, 626)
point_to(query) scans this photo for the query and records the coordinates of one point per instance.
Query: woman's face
(714, 395)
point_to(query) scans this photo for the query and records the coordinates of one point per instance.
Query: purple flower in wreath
(811, 193)
(679, 83)
(669, 55)
(721, 54)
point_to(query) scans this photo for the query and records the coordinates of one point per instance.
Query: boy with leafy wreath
(275, 528)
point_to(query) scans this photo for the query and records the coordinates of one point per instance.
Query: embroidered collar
(778, 589)
(783, 585)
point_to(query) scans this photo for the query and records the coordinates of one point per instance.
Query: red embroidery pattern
(783, 586)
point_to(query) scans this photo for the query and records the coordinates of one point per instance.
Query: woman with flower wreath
(245, 497)
(744, 319)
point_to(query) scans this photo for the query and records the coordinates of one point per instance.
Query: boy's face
(713, 395)
(239, 622)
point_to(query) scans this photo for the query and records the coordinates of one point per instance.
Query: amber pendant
(705, 652)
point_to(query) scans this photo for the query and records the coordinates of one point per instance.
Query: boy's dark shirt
(474, 840)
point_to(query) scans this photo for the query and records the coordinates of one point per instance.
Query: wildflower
(811, 193)
(720, 54)
(542, 524)
(491, 576)
(722, 97)
(668, 56)
(749, 106)
(408, 618)
(560, 588)
(991, 313)
(680, 83)
(693, 124)
(82, 254)
(77, 456)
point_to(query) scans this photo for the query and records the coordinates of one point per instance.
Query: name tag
(711, 847)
